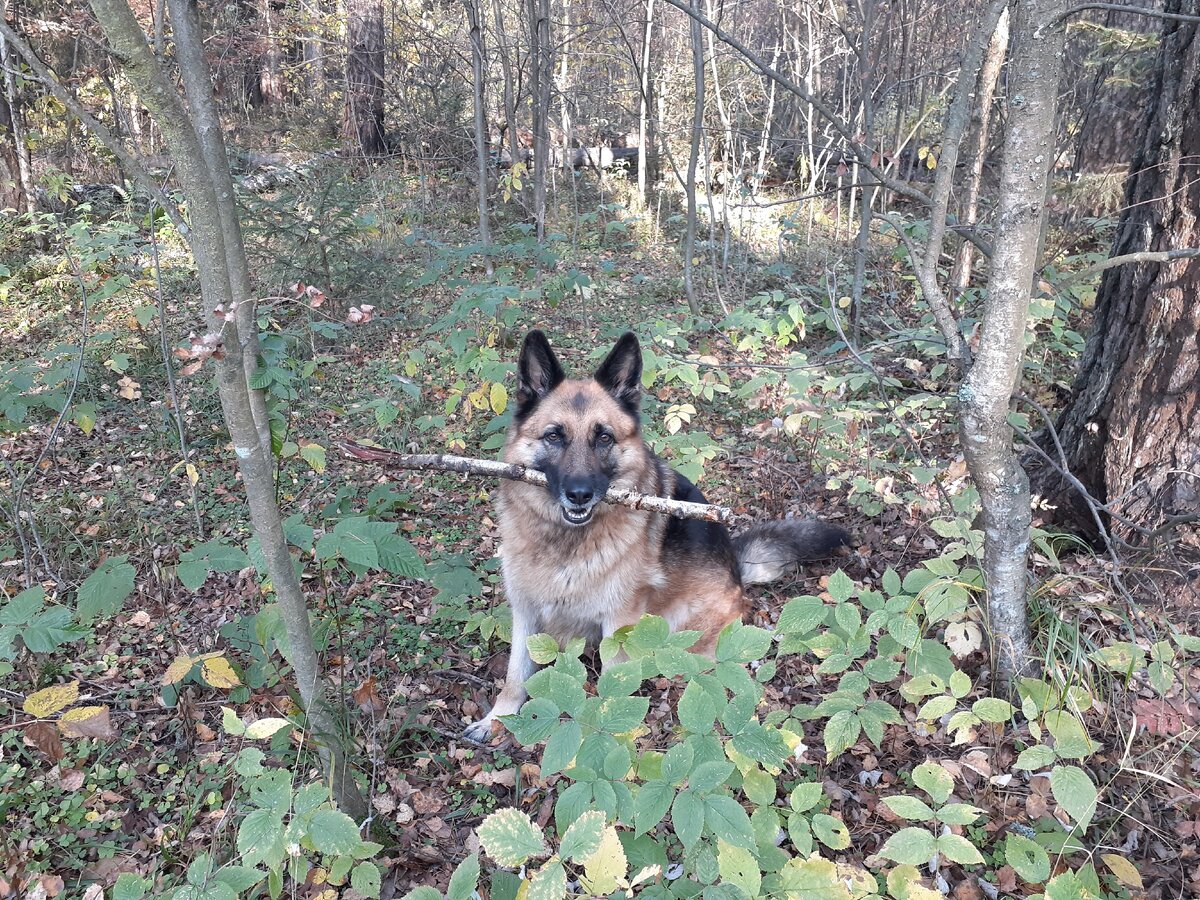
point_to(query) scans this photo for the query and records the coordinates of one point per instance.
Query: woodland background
(924, 268)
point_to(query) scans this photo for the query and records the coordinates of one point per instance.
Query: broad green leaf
(801, 615)
(510, 837)
(840, 586)
(805, 796)
(1074, 791)
(261, 838)
(561, 747)
(696, 709)
(650, 804)
(914, 846)
(1122, 657)
(934, 780)
(762, 744)
(133, 887)
(543, 649)
(583, 837)
(991, 709)
(709, 775)
(959, 814)
(958, 849)
(1033, 758)
(333, 832)
(677, 762)
(103, 592)
(830, 831)
(1067, 886)
(1070, 737)
(1028, 859)
(759, 787)
(936, 707)
(366, 879)
(912, 808)
(239, 878)
(21, 609)
(738, 866)
(687, 818)
(742, 643)
(841, 731)
(548, 883)
(726, 819)
(619, 715)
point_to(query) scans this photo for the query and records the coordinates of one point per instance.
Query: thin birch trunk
(478, 70)
(644, 137)
(689, 240)
(989, 77)
(986, 394)
(209, 242)
(16, 121)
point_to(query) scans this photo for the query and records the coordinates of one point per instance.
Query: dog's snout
(579, 491)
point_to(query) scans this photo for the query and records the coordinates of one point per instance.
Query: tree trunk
(510, 100)
(985, 395)
(216, 260)
(364, 77)
(1131, 431)
(541, 64)
(644, 120)
(478, 68)
(689, 239)
(989, 77)
(12, 132)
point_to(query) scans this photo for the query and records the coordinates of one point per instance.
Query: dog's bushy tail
(766, 552)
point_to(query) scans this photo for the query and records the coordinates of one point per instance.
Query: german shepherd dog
(576, 567)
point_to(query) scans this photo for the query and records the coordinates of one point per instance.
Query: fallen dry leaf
(88, 721)
(44, 736)
(366, 696)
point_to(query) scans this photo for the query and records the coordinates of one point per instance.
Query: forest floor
(412, 660)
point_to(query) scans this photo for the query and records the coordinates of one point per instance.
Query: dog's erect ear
(621, 373)
(538, 372)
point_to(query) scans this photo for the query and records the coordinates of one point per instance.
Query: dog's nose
(579, 493)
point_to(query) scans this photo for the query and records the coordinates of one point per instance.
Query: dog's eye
(552, 437)
(604, 439)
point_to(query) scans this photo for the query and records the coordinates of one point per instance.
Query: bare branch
(1121, 7)
(445, 462)
(1155, 256)
(862, 153)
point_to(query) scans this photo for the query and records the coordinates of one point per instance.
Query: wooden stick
(444, 462)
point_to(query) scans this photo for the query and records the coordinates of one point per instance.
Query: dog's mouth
(577, 515)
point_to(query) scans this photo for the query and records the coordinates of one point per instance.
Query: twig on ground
(445, 462)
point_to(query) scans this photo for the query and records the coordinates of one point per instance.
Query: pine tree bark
(1131, 430)
(364, 126)
(987, 391)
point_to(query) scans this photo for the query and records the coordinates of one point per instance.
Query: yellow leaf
(178, 670)
(86, 422)
(605, 869)
(1125, 871)
(87, 721)
(931, 161)
(193, 473)
(219, 673)
(499, 398)
(264, 728)
(477, 399)
(50, 700)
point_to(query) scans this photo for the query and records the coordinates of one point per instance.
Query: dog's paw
(479, 731)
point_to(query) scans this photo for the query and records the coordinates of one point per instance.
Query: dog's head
(584, 434)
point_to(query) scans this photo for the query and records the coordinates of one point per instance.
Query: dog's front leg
(520, 667)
